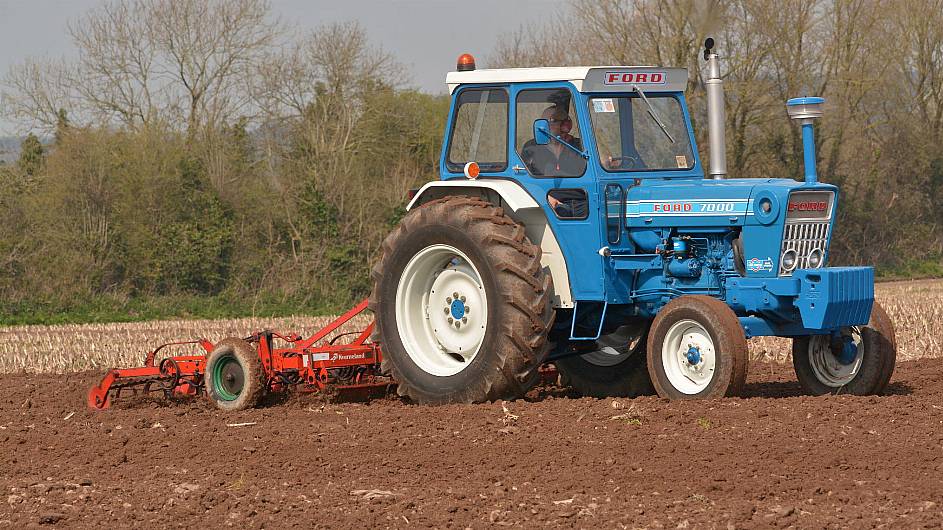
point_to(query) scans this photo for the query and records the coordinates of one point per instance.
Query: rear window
(479, 130)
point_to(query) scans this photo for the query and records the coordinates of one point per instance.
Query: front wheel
(860, 361)
(697, 349)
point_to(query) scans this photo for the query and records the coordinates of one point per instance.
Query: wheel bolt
(466, 309)
(455, 295)
(464, 320)
(462, 299)
(446, 310)
(448, 300)
(450, 320)
(458, 324)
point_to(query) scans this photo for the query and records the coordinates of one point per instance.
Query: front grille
(808, 220)
(803, 236)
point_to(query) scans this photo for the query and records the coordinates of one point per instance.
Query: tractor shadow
(788, 389)
(762, 389)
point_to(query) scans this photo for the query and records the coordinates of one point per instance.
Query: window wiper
(651, 112)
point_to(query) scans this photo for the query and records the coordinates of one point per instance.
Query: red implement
(288, 360)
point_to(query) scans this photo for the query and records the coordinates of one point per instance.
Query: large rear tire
(864, 369)
(616, 369)
(697, 349)
(234, 377)
(462, 304)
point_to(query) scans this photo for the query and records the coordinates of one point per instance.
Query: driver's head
(559, 120)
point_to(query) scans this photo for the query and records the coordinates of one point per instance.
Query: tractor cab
(577, 140)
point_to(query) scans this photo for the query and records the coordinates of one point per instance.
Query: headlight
(789, 260)
(816, 257)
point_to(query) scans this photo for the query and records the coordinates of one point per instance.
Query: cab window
(553, 159)
(630, 138)
(479, 130)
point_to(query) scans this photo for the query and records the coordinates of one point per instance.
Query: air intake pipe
(715, 113)
(805, 111)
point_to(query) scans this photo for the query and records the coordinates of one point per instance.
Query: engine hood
(710, 203)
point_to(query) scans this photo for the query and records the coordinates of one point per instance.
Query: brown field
(773, 458)
(915, 306)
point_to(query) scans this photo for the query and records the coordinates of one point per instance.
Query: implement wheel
(616, 369)
(462, 304)
(697, 349)
(861, 363)
(234, 376)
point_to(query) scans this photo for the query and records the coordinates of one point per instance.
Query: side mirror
(541, 131)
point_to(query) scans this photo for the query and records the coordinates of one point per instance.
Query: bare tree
(186, 63)
(35, 91)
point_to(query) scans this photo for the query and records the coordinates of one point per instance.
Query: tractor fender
(521, 207)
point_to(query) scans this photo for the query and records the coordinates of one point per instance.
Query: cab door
(563, 180)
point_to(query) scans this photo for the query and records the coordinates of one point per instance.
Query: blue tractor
(574, 224)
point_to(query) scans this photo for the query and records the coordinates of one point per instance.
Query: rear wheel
(697, 349)
(616, 369)
(462, 304)
(234, 376)
(859, 362)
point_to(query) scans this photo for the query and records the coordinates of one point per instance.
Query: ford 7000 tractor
(574, 223)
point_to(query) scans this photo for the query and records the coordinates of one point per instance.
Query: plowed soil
(775, 458)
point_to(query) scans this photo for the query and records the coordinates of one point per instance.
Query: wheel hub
(693, 355)
(688, 357)
(441, 310)
(457, 309)
(836, 365)
(849, 351)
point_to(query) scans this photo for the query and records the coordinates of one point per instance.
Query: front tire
(697, 349)
(616, 369)
(462, 304)
(863, 370)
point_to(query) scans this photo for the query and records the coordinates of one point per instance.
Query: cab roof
(584, 78)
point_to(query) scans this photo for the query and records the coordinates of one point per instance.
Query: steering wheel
(624, 162)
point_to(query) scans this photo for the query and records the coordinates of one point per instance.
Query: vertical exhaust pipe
(806, 110)
(716, 117)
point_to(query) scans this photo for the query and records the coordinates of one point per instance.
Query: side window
(554, 159)
(569, 203)
(614, 213)
(480, 130)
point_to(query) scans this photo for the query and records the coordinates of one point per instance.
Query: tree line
(205, 149)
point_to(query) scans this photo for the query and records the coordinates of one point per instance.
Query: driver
(555, 159)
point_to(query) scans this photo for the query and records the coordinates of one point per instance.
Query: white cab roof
(585, 78)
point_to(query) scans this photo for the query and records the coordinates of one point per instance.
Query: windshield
(630, 138)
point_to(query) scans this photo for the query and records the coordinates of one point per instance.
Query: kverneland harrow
(235, 372)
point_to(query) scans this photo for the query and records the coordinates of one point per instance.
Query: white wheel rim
(614, 347)
(826, 366)
(688, 341)
(442, 334)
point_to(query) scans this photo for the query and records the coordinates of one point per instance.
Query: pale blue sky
(426, 36)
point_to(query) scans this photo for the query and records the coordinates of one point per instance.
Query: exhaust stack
(715, 113)
(806, 110)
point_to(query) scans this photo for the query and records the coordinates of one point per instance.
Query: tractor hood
(707, 203)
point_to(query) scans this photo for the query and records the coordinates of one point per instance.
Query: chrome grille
(803, 236)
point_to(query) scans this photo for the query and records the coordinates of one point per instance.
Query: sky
(425, 36)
